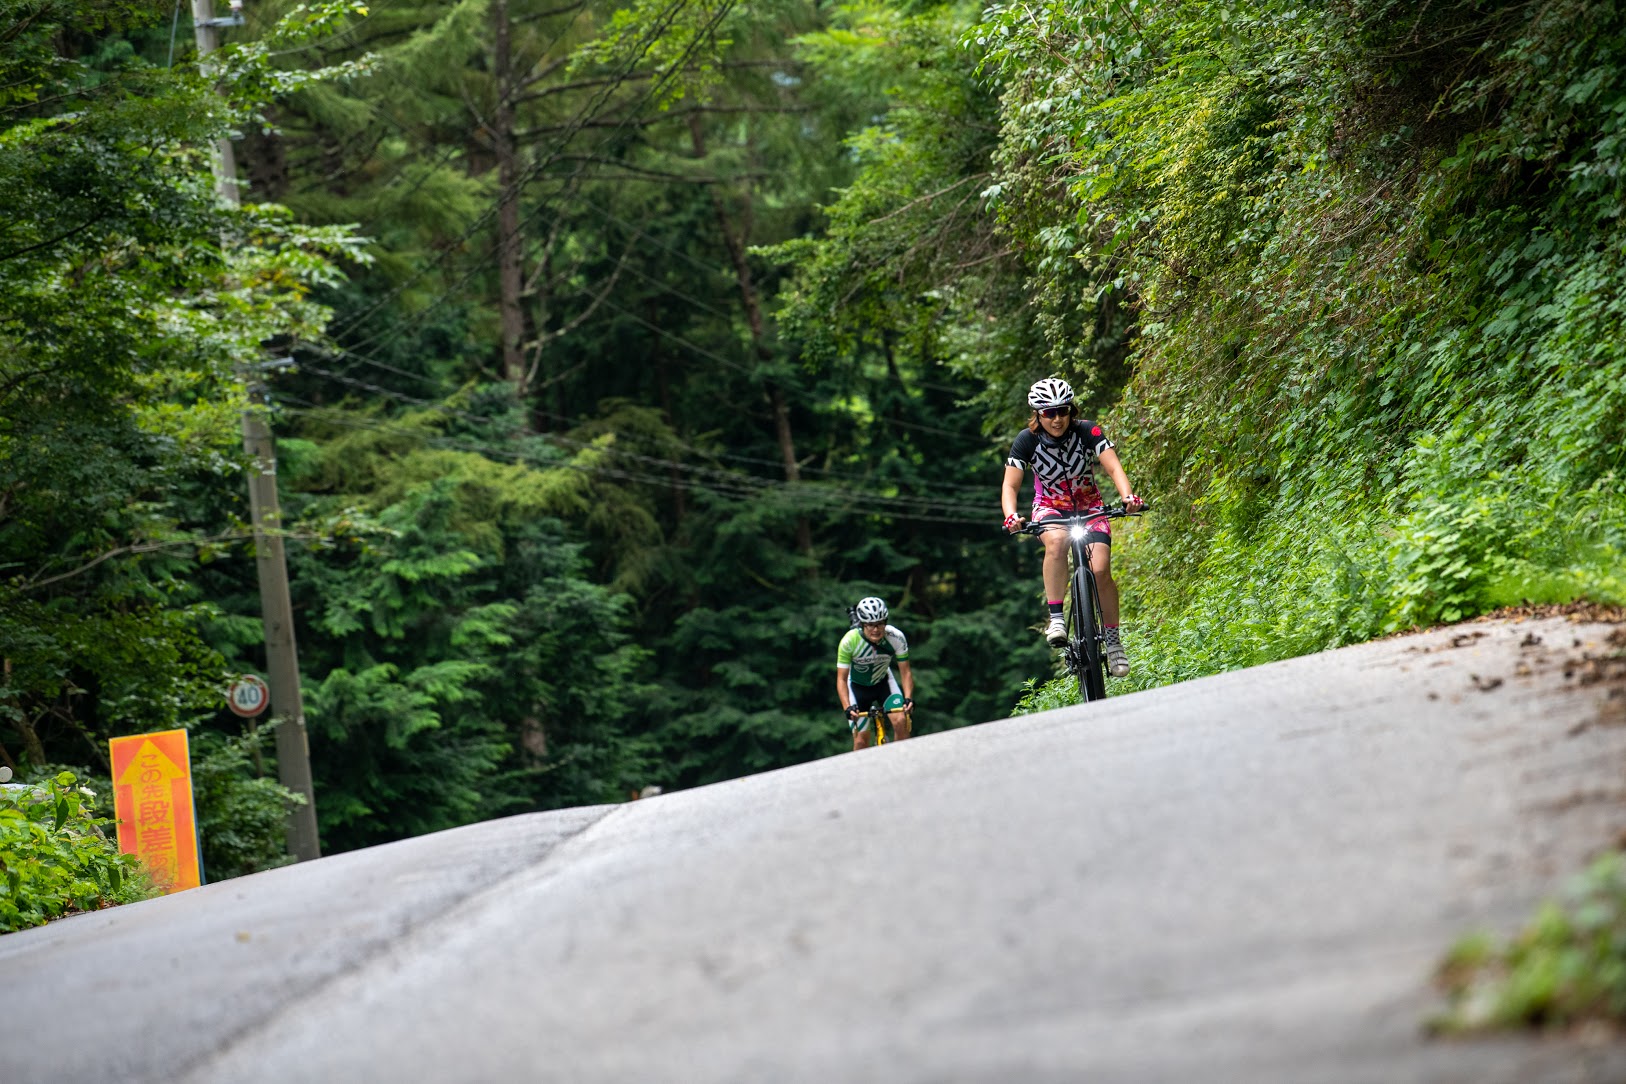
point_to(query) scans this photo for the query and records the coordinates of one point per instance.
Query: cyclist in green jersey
(864, 671)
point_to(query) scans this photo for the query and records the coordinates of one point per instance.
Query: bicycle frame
(1086, 644)
(880, 723)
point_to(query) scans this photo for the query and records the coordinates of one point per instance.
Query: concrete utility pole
(276, 607)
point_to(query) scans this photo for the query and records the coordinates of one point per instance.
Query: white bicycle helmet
(870, 609)
(1050, 392)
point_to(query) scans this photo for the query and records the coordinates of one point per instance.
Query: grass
(1566, 968)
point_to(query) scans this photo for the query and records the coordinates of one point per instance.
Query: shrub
(55, 859)
(242, 814)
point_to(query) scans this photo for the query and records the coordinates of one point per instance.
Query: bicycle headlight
(1076, 530)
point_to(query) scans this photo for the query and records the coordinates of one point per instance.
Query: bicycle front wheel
(1085, 642)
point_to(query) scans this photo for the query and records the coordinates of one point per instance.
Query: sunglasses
(1055, 412)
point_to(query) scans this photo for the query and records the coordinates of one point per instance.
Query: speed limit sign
(248, 696)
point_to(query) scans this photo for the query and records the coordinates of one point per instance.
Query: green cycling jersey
(871, 663)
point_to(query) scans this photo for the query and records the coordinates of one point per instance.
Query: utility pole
(206, 29)
(276, 606)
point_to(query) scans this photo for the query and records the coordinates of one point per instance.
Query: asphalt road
(1245, 878)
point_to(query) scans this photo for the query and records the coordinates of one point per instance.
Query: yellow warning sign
(152, 796)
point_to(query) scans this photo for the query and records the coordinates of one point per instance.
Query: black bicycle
(1084, 654)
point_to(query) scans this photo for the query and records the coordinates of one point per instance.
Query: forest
(614, 349)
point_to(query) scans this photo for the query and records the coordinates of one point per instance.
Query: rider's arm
(906, 678)
(841, 686)
(1115, 471)
(1007, 492)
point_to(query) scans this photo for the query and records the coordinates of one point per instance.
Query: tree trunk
(663, 387)
(736, 244)
(511, 317)
(891, 360)
(540, 378)
(33, 750)
(793, 472)
(264, 159)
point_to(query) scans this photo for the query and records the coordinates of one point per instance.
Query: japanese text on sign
(152, 796)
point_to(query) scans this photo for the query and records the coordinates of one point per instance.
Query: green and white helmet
(870, 609)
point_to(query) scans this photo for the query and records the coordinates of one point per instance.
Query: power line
(659, 244)
(690, 345)
(624, 224)
(450, 444)
(734, 478)
(675, 292)
(835, 475)
(740, 483)
(675, 337)
(726, 485)
(399, 328)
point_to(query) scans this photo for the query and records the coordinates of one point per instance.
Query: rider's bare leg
(860, 739)
(1055, 563)
(1101, 565)
(902, 726)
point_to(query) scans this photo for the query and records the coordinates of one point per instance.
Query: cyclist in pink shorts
(1063, 450)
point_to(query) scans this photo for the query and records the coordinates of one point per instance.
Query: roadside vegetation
(632, 343)
(57, 856)
(1565, 970)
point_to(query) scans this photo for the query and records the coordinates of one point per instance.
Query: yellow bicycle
(879, 717)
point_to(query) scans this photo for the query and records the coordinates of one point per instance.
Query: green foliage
(909, 262)
(241, 813)
(469, 668)
(595, 578)
(130, 297)
(681, 41)
(1566, 967)
(55, 858)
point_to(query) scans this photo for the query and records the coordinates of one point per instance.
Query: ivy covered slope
(1378, 266)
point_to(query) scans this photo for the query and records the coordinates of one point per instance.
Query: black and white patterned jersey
(1063, 467)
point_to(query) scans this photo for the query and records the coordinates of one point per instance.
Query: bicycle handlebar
(1111, 511)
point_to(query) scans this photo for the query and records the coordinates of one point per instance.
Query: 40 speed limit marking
(248, 696)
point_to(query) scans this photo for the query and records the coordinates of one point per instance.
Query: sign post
(152, 797)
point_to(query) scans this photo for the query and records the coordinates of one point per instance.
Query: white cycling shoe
(1056, 631)
(1117, 658)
